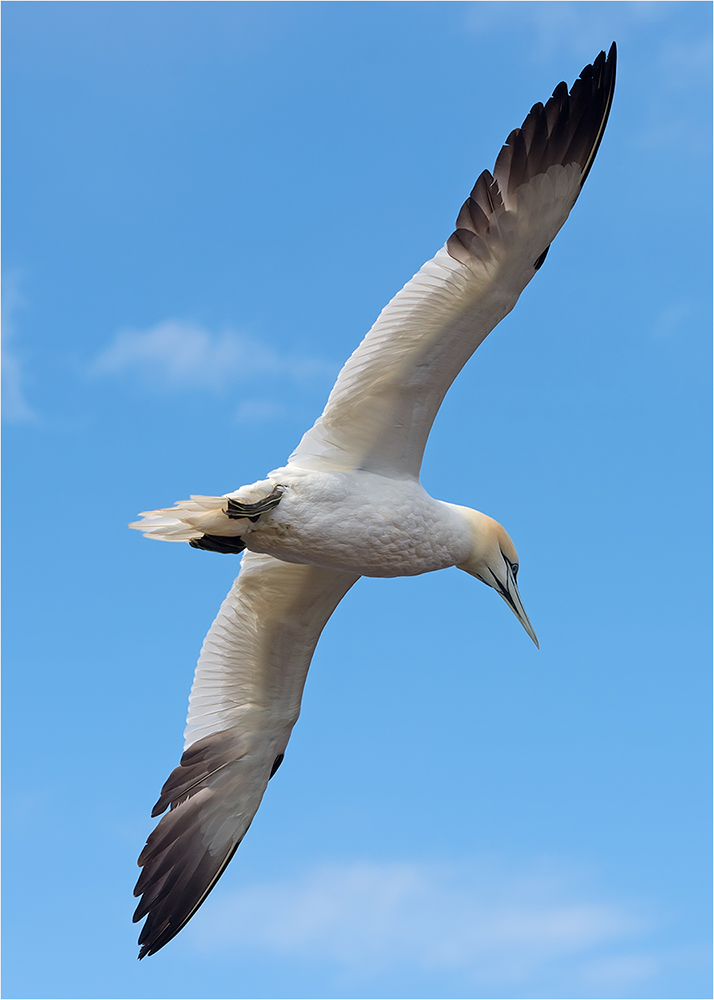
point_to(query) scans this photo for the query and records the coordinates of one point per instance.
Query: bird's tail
(226, 517)
(189, 519)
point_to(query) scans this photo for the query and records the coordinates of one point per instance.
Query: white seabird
(349, 502)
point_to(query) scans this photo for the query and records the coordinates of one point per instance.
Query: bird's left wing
(244, 703)
(380, 412)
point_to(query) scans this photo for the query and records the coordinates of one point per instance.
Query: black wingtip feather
(159, 930)
(607, 70)
(567, 129)
(180, 862)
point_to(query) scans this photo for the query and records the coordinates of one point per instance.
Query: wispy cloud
(687, 63)
(670, 123)
(563, 26)
(674, 318)
(618, 971)
(15, 406)
(177, 354)
(253, 411)
(678, 61)
(478, 919)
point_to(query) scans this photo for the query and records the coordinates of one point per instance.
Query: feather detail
(189, 519)
(381, 409)
(229, 516)
(244, 703)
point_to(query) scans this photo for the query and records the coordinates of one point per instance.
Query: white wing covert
(381, 409)
(244, 703)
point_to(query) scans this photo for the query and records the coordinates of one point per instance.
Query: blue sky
(205, 207)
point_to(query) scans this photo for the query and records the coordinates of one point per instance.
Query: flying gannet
(349, 502)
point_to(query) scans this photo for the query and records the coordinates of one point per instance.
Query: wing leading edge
(382, 407)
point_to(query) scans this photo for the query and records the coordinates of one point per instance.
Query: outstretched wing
(244, 703)
(381, 409)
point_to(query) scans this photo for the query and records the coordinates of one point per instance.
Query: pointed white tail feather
(189, 519)
(196, 503)
(206, 503)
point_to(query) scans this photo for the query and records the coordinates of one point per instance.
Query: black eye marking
(539, 263)
(513, 566)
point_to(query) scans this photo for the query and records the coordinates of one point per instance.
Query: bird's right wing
(386, 397)
(244, 703)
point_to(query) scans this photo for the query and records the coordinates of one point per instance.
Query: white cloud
(481, 920)
(179, 354)
(15, 406)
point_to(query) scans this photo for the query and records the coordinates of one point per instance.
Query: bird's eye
(514, 570)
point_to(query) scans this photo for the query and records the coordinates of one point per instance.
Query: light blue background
(459, 815)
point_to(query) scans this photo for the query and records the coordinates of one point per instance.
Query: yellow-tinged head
(494, 561)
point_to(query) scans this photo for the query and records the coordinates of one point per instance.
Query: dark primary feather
(202, 759)
(181, 861)
(568, 129)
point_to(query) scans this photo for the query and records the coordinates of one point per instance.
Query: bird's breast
(359, 522)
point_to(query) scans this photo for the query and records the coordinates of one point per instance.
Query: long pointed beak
(514, 602)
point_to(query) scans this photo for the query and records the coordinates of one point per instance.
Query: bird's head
(494, 561)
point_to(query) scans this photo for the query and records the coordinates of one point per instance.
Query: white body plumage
(358, 522)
